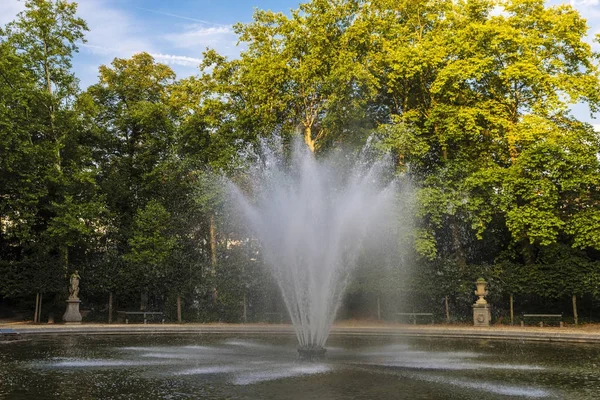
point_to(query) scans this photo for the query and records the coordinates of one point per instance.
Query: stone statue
(72, 315)
(74, 288)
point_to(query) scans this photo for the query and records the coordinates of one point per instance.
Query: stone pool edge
(504, 333)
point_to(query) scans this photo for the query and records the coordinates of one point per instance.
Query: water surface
(250, 367)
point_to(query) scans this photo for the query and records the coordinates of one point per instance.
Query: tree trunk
(528, 252)
(143, 301)
(37, 306)
(213, 245)
(575, 317)
(213, 255)
(378, 309)
(308, 138)
(447, 310)
(459, 253)
(512, 312)
(110, 307)
(64, 254)
(178, 308)
(512, 147)
(51, 110)
(39, 314)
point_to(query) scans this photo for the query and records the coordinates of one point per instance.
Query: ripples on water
(243, 368)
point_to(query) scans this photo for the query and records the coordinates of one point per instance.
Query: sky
(176, 32)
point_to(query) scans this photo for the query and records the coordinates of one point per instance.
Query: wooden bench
(542, 317)
(144, 314)
(414, 316)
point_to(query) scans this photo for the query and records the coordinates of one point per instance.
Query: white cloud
(117, 33)
(199, 37)
(176, 60)
(584, 2)
(180, 17)
(113, 32)
(589, 9)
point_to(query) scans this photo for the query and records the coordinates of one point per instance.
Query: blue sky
(176, 32)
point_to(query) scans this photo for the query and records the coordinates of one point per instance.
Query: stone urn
(482, 315)
(481, 291)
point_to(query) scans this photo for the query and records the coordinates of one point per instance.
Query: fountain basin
(262, 366)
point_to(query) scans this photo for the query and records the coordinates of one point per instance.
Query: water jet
(313, 219)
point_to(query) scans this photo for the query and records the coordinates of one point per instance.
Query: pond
(266, 367)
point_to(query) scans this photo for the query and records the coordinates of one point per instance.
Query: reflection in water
(208, 370)
(279, 372)
(97, 363)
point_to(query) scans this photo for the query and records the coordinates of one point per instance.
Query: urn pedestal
(482, 315)
(481, 309)
(72, 315)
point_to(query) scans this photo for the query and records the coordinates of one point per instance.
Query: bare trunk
(512, 311)
(51, 107)
(37, 305)
(47, 70)
(39, 314)
(308, 138)
(64, 252)
(378, 309)
(459, 252)
(213, 255)
(447, 310)
(575, 317)
(143, 301)
(110, 307)
(528, 252)
(178, 308)
(512, 148)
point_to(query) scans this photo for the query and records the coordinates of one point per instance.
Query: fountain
(313, 219)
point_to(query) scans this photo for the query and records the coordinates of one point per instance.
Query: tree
(470, 109)
(22, 157)
(59, 200)
(149, 170)
(151, 246)
(293, 77)
(136, 129)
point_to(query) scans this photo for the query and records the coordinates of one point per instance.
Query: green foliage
(472, 99)
(295, 79)
(46, 34)
(50, 206)
(150, 243)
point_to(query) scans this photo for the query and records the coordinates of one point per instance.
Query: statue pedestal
(482, 315)
(72, 315)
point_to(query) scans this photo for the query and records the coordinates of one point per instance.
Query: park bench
(144, 314)
(414, 316)
(541, 318)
